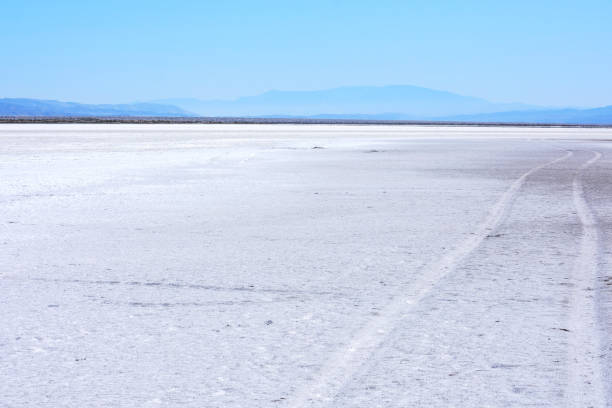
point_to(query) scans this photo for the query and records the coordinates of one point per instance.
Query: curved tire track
(345, 362)
(585, 387)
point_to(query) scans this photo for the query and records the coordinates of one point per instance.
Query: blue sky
(543, 52)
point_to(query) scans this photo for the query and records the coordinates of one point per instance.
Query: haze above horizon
(550, 53)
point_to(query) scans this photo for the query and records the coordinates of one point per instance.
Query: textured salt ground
(597, 190)
(223, 266)
(492, 333)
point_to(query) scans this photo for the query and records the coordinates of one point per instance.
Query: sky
(552, 53)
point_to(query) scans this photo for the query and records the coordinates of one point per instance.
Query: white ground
(239, 266)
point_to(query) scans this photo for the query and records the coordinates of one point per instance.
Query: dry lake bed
(305, 266)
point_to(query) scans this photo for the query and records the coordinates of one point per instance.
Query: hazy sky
(541, 52)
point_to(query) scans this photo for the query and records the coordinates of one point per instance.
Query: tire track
(345, 362)
(585, 387)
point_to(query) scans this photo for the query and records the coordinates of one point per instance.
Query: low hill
(39, 107)
(595, 116)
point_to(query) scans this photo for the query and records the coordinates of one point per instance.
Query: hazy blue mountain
(412, 101)
(368, 103)
(38, 107)
(595, 116)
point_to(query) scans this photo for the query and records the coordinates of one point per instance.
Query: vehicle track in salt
(585, 386)
(343, 364)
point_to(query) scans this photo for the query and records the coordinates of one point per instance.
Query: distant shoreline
(268, 121)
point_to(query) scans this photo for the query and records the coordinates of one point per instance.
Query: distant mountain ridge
(39, 107)
(394, 102)
(418, 102)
